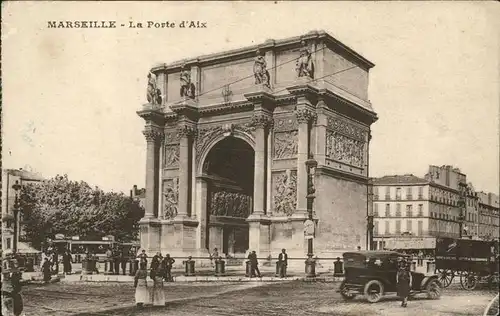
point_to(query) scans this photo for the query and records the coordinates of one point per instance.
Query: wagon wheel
(445, 276)
(468, 280)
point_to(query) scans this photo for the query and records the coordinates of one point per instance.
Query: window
(409, 227)
(375, 227)
(386, 227)
(409, 210)
(388, 210)
(398, 193)
(398, 226)
(420, 193)
(8, 241)
(420, 231)
(409, 195)
(375, 210)
(387, 193)
(375, 193)
(398, 210)
(420, 210)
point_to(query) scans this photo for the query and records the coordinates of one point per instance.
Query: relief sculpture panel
(345, 149)
(285, 144)
(170, 198)
(171, 156)
(224, 203)
(285, 192)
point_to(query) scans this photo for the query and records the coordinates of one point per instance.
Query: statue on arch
(305, 66)
(187, 87)
(260, 70)
(153, 94)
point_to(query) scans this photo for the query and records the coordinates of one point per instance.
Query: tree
(74, 208)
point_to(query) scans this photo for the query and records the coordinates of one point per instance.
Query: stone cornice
(325, 170)
(348, 108)
(187, 109)
(304, 90)
(262, 99)
(221, 108)
(276, 45)
(152, 114)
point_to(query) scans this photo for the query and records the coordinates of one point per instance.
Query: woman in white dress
(158, 294)
(141, 286)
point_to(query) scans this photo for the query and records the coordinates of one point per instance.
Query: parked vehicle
(373, 274)
(475, 261)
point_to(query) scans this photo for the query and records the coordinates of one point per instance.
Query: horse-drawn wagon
(474, 261)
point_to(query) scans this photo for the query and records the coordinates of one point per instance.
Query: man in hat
(283, 262)
(404, 281)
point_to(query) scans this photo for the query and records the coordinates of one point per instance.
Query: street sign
(309, 229)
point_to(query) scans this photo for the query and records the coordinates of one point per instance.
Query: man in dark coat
(254, 264)
(116, 260)
(12, 301)
(167, 263)
(143, 257)
(46, 270)
(67, 259)
(404, 282)
(283, 262)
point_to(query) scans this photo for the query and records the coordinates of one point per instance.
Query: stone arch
(249, 139)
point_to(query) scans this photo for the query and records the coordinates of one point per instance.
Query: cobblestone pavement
(245, 299)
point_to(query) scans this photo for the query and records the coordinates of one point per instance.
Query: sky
(70, 96)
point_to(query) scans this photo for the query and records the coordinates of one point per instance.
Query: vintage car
(373, 274)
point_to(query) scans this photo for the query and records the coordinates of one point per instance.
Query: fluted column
(186, 132)
(262, 121)
(153, 139)
(304, 117)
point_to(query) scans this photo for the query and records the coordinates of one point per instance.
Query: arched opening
(229, 171)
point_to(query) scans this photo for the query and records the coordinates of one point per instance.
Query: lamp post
(17, 187)
(311, 165)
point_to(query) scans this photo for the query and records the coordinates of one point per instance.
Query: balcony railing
(387, 197)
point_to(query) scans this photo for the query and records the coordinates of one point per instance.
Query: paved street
(291, 298)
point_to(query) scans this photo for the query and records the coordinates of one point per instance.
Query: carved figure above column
(187, 131)
(170, 198)
(305, 115)
(262, 120)
(285, 192)
(187, 87)
(171, 156)
(153, 135)
(286, 144)
(305, 65)
(260, 70)
(153, 94)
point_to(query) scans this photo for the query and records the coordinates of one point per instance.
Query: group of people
(50, 263)
(254, 264)
(160, 271)
(12, 301)
(116, 258)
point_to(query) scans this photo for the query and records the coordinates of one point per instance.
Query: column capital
(305, 115)
(187, 130)
(153, 135)
(262, 120)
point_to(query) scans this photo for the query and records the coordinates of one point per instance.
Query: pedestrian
(158, 294)
(214, 256)
(46, 270)
(109, 259)
(254, 264)
(12, 301)
(155, 262)
(67, 259)
(116, 260)
(404, 282)
(123, 260)
(143, 257)
(141, 285)
(167, 264)
(283, 262)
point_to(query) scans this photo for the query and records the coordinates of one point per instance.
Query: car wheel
(433, 289)
(344, 291)
(374, 290)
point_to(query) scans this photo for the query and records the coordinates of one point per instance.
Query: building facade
(226, 156)
(440, 204)
(9, 178)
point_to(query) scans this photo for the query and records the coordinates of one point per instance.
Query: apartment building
(419, 209)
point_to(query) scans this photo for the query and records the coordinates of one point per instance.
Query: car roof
(374, 254)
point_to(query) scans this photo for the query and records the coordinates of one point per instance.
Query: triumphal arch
(228, 135)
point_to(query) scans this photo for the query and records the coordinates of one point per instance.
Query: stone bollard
(248, 270)
(88, 266)
(220, 267)
(189, 267)
(310, 267)
(338, 268)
